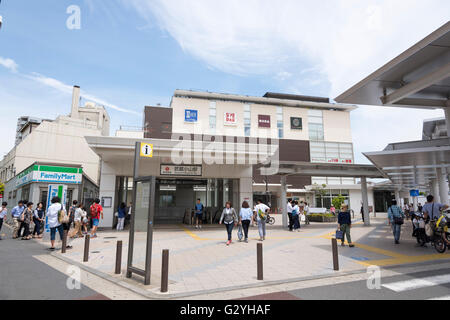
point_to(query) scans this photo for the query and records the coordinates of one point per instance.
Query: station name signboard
(187, 171)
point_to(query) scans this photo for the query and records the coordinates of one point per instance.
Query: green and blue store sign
(50, 174)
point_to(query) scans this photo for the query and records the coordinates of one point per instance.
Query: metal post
(151, 215)
(86, 248)
(259, 254)
(334, 248)
(119, 257)
(165, 271)
(284, 200)
(64, 242)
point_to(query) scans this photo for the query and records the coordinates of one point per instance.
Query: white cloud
(9, 64)
(324, 45)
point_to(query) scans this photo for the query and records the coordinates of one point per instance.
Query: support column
(435, 190)
(284, 201)
(397, 197)
(447, 117)
(416, 204)
(365, 199)
(443, 185)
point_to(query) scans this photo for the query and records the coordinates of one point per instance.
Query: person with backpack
(121, 213)
(3, 214)
(16, 212)
(199, 208)
(38, 219)
(396, 219)
(230, 219)
(261, 211)
(96, 213)
(26, 220)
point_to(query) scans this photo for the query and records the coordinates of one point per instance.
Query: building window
(247, 120)
(280, 122)
(331, 152)
(212, 117)
(325, 200)
(315, 124)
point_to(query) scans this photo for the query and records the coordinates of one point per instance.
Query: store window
(325, 200)
(280, 122)
(315, 124)
(247, 120)
(212, 117)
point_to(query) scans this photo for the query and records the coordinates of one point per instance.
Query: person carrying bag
(396, 218)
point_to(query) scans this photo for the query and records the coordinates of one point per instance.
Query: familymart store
(37, 182)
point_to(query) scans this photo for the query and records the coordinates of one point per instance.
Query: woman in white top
(78, 216)
(53, 222)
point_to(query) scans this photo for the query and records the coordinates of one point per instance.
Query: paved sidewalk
(200, 262)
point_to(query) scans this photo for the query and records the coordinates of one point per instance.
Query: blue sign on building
(190, 115)
(414, 193)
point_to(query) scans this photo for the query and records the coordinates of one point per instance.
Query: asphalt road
(420, 285)
(23, 277)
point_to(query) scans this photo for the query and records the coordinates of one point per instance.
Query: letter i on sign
(146, 150)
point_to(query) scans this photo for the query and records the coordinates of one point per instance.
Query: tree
(338, 201)
(319, 190)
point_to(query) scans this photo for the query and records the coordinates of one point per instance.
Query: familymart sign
(50, 174)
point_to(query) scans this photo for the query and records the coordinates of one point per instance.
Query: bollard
(119, 257)
(335, 254)
(64, 242)
(86, 248)
(165, 271)
(259, 258)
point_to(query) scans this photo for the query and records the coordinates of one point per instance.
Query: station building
(216, 147)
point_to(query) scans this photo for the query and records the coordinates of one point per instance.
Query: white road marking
(418, 283)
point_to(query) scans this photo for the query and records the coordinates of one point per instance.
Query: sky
(127, 54)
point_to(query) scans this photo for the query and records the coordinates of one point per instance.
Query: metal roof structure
(412, 164)
(298, 168)
(417, 78)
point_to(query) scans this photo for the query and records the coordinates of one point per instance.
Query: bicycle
(270, 220)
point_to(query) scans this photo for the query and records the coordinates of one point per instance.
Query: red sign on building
(230, 118)
(264, 121)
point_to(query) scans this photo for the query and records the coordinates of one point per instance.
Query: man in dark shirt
(345, 224)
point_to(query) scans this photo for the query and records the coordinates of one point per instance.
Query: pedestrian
(16, 212)
(333, 210)
(54, 214)
(230, 219)
(420, 207)
(121, 214)
(84, 221)
(296, 217)
(362, 212)
(345, 224)
(260, 215)
(38, 219)
(396, 219)
(72, 210)
(199, 208)
(26, 220)
(96, 213)
(289, 213)
(306, 213)
(431, 209)
(78, 221)
(406, 209)
(245, 218)
(3, 214)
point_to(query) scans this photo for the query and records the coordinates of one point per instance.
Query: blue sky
(132, 53)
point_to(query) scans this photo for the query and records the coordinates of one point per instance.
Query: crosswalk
(420, 283)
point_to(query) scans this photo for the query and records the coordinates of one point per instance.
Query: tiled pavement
(201, 262)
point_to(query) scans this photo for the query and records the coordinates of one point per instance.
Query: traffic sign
(146, 150)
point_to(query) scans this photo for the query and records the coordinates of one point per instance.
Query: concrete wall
(56, 142)
(337, 126)
(356, 199)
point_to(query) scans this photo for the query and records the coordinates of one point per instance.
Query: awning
(412, 164)
(418, 78)
(291, 168)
